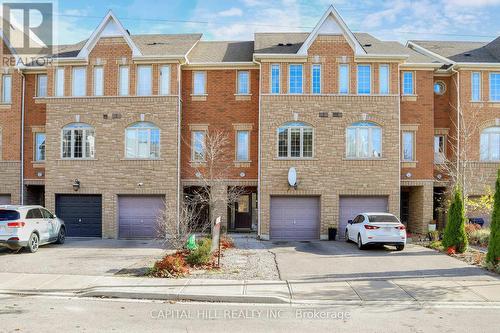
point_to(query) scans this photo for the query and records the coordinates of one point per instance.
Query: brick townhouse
(115, 126)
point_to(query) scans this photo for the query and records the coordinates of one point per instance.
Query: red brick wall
(220, 111)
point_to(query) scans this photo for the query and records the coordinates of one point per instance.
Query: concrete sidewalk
(287, 292)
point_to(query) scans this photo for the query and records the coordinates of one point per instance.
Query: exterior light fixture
(242, 174)
(76, 185)
(408, 175)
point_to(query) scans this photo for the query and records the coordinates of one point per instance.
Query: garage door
(295, 218)
(4, 199)
(352, 206)
(82, 214)
(138, 215)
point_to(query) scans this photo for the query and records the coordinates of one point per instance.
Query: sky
(238, 19)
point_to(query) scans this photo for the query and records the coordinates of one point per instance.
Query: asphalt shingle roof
(464, 51)
(222, 51)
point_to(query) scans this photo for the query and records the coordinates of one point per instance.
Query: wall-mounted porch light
(76, 185)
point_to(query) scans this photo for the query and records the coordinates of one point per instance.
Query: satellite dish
(292, 177)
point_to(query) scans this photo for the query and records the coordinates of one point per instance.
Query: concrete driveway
(83, 257)
(338, 260)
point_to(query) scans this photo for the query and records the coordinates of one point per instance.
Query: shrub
(454, 232)
(434, 235)
(493, 255)
(479, 237)
(171, 266)
(436, 245)
(201, 255)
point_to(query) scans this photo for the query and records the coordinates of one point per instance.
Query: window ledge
(5, 105)
(141, 159)
(38, 164)
(199, 97)
(364, 159)
(242, 164)
(409, 164)
(409, 98)
(295, 159)
(195, 164)
(78, 159)
(243, 97)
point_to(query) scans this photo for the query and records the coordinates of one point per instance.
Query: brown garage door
(295, 218)
(352, 206)
(138, 215)
(4, 199)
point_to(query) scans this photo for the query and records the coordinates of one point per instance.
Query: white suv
(30, 227)
(376, 228)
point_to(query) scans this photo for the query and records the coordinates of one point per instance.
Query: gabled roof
(222, 52)
(279, 42)
(462, 51)
(332, 23)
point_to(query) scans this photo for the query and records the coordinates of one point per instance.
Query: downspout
(22, 138)
(399, 137)
(180, 195)
(458, 130)
(259, 153)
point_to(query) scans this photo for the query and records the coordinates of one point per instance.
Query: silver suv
(29, 227)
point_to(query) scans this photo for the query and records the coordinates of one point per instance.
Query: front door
(243, 212)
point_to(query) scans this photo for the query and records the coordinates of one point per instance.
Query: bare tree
(212, 170)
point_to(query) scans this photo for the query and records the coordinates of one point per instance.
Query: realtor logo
(28, 27)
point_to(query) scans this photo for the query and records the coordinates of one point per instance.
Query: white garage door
(4, 199)
(295, 218)
(138, 216)
(352, 206)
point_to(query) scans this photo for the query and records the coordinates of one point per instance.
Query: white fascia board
(89, 45)
(278, 56)
(431, 65)
(429, 53)
(358, 49)
(383, 56)
(462, 65)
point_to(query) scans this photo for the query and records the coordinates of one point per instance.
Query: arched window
(364, 140)
(295, 140)
(78, 141)
(490, 144)
(142, 140)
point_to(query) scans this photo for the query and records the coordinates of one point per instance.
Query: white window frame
(348, 79)
(271, 79)
(358, 142)
(413, 146)
(247, 159)
(193, 145)
(6, 93)
(149, 127)
(74, 83)
(289, 127)
(36, 147)
(320, 78)
(59, 81)
(380, 79)
(494, 130)
(357, 79)
(301, 79)
(123, 89)
(203, 75)
(412, 84)
(164, 77)
(38, 85)
(491, 87)
(480, 83)
(438, 157)
(84, 128)
(98, 92)
(149, 91)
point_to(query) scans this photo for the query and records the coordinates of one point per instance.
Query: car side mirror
(350, 221)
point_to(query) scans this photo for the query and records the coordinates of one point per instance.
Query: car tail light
(371, 227)
(400, 227)
(16, 224)
(14, 239)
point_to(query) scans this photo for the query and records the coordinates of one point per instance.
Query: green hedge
(454, 232)
(493, 255)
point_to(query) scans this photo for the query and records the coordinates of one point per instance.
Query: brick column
(219, 193)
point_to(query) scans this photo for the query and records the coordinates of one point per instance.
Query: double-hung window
(200, 83)
(144, 80)
(59, 82)
(344, 79)
(242, 146)
(123, 89)
(316, 79)
(79, 81)
(78, 141)
(142, 141)
(295, 140)
(408, 83)
(243, 82)
(165, 80)
(383, 78)
(439, 149)
(275, 79)
(39, 147)
(476, 86)
(364, 140)
(495, 87)
(408, 146)
(6, 89)
(98, 81)
(198, 146)
(41, 85)
(490, 144)
(364, 79)
(295, 79)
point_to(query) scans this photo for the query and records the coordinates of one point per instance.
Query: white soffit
(332, 24)
(110, 26)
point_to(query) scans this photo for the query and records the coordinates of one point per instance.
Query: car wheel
(360, 243)
(61, 237)
(33, 243)
(400, 247)
(347, 236)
